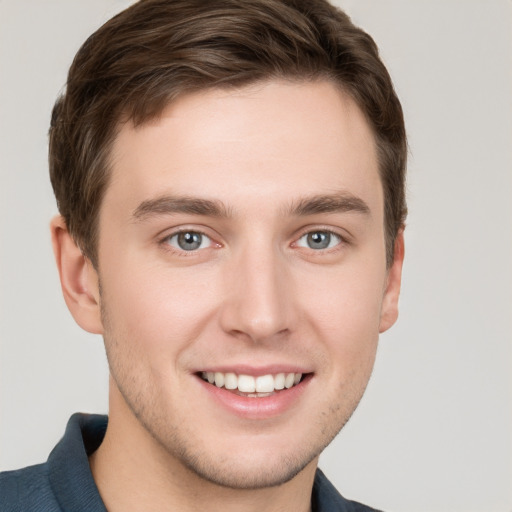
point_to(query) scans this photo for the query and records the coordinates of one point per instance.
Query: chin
(247, 473)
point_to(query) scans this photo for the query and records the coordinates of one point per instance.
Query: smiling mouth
(250, 386)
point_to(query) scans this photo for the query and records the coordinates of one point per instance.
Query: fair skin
(280, 268)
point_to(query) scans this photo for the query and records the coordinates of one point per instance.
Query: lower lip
(257, 408)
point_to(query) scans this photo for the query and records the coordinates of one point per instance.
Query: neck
(134, 472)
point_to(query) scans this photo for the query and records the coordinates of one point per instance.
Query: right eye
(189, 241)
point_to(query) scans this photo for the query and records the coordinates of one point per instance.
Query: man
(230, 178)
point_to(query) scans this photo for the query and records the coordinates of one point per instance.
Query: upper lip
(256, 371)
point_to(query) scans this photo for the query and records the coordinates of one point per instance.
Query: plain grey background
(434, 431)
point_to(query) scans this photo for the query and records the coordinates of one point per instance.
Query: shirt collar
(68, 464)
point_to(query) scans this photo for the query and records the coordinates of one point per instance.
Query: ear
(78, 279)
(389, 312)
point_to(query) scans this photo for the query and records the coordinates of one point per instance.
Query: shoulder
(327, 499)
(27, 489)
(65, 481)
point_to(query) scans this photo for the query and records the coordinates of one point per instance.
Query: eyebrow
(341, 202)
(168, 205)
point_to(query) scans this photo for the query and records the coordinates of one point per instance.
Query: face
(243, 278)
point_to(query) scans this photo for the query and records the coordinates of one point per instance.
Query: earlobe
(78, 278)
(389, 312)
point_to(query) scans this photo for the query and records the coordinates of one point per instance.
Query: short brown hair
(155, 50)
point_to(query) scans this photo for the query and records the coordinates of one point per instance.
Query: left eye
(189, 241)
(319, 240)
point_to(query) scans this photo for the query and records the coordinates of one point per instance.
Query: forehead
(275, 139)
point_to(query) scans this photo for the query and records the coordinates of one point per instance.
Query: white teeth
(279, 381)
(260, 386)
(230, 381)
(219, 379)
(265, 384)
(289, 380)
(246, 384)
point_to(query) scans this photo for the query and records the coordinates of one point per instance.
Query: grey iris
(189, 241)
(319, 240)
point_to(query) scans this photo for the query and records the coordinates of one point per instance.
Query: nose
(259, 298)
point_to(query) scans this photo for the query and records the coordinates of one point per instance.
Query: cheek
(346, 308)
(155, 308)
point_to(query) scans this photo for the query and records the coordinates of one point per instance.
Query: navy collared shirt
(65, 482)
